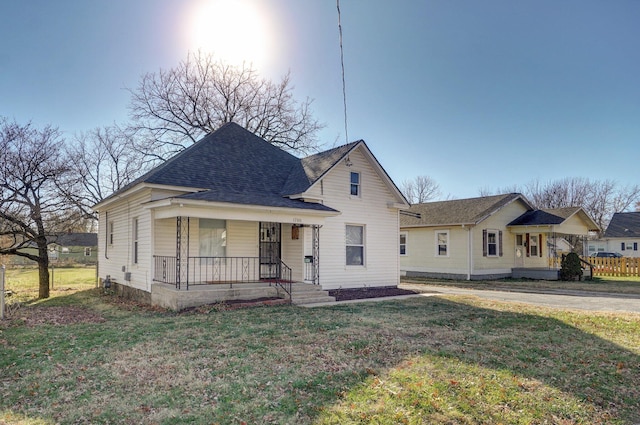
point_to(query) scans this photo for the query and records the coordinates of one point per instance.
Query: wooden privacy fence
(605, 266)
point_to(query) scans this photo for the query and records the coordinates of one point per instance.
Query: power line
(344, 89)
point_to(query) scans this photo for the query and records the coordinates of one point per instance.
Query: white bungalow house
(622, 236)
(235, 212)
(486, 238)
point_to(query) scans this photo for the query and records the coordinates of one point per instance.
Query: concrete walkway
(579, 300)
(555, 298)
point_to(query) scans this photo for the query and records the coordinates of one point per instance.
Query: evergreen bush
(570, 268)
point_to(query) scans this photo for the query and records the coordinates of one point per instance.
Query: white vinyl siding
(117, 258)
(370, 208)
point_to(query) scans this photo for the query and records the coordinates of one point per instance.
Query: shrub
(570, 268)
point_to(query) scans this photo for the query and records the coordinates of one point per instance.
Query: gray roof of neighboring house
(457, 212)
(545, 216)
(75, 239)
(624, 225)
(234, 165)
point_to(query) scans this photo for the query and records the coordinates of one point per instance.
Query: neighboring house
(559, 246)
(622, 236)
(66, 249)
(72, 248)
(233, 208)
(485, 238)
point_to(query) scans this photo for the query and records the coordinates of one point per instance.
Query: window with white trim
(135, 240)
(491, 243)
(354, 245)
(111, 233)
(355, 184)
(87, 251)
(213, 237)
(403, 243)
(442, 243)
(533, 245)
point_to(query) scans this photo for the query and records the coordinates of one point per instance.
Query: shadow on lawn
(598, 374)
(324, 365)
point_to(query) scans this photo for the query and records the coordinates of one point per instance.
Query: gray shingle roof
(624, 225)
(457, 212)
(75, 239)
(537, 217)
(315, 166)
(234, 165)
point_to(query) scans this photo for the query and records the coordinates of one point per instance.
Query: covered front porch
(539, 256)
(203, 255)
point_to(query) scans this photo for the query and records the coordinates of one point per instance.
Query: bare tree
(600, 199)
(174, 108)
(103, 161)
(420, 189)
(31, 210)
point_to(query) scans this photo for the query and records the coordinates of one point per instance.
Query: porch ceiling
(171, 208)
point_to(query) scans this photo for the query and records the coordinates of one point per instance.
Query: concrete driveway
(578, 300)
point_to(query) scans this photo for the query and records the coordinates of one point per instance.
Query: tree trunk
(43, 269)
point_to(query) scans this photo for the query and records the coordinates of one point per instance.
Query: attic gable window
(355, 184)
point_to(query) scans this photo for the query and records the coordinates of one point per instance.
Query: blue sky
(476, 94)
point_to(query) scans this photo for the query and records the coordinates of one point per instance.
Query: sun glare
(235, 31)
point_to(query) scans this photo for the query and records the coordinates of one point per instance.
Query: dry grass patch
(421, 360)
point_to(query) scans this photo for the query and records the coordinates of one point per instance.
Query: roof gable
(316, 166)
(624, 225)
(469, 211)
(234, 165)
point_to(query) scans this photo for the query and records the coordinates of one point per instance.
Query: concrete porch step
(304, 293)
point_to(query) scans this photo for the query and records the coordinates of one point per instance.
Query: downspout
(469, 252)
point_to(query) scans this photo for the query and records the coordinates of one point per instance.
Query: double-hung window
(355, 184)
(355, 245)
(442, 243)
(403, 243)
(491, 243)
(533, 245)
(135, 241)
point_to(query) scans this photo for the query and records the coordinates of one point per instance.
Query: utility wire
(344, 89)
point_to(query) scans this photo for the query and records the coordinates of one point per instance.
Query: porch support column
(182, 251)
(315, 251)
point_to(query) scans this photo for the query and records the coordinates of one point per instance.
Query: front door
(270, 249)
(519, 251)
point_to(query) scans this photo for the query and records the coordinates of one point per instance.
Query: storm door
(270, 249)
(519, 254)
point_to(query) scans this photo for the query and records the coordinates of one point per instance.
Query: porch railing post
(315, 251)
(182, 252)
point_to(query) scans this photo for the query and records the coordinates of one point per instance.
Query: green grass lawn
(23, 282)
(431, 360)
